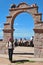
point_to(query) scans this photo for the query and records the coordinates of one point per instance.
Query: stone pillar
(8, 29)
(38, 43)
(8, 33)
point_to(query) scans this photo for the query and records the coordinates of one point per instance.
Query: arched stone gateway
(38, 25)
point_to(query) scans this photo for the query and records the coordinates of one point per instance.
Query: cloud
(2, 23)
(16, 24)
(25, 34)
(1, 28)
(1, 33)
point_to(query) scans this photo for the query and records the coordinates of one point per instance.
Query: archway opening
(23, 25)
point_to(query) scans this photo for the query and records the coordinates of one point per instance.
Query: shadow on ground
(23, 53)
(20, 61)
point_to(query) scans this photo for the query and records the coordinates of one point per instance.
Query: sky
(24, 22)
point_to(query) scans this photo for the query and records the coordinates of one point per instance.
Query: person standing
(10, 48)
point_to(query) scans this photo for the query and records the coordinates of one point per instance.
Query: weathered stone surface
(37, 52)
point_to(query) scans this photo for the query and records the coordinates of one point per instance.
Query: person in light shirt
(10, 47)
(31, 41)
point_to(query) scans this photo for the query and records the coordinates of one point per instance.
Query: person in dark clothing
(16, 43)
(31, 43)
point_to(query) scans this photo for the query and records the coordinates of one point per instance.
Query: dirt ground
(4, 61)
(16, 58)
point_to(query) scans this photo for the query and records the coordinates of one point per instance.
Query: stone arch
(22, 5)
(14, 11)
(38, 25)
(18, 14)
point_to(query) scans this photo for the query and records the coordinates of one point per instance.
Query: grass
(31, 61)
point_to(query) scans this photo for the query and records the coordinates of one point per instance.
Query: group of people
(23, 42)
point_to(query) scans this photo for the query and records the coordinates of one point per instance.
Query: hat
(10, 39)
